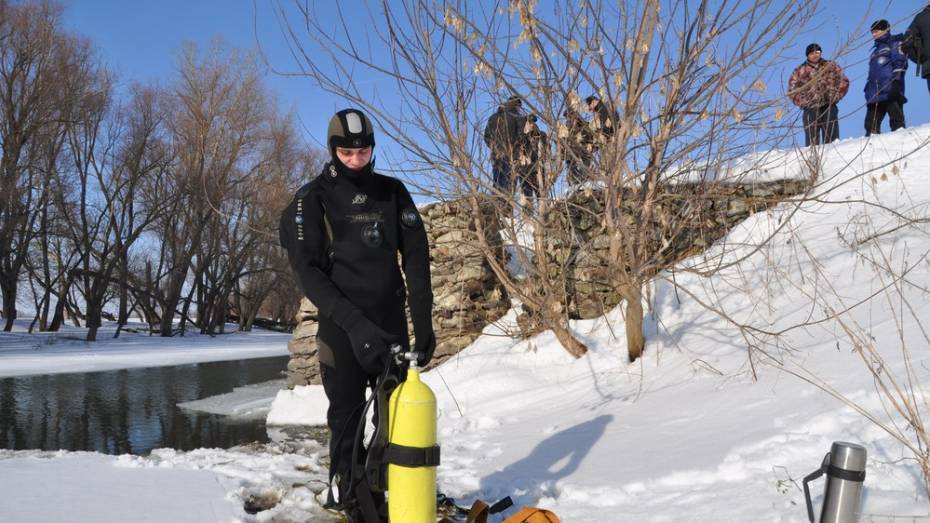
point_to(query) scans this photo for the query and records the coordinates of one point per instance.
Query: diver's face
(354, 159)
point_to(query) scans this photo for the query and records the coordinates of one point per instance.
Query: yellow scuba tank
(412, 454)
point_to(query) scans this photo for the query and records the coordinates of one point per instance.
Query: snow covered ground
(685, 434)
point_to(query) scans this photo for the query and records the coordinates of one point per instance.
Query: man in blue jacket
(884, 89)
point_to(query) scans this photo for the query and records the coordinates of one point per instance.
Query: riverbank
(24, 354)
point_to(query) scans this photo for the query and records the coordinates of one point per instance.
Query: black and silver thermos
(844, 466)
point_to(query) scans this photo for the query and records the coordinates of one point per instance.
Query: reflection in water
(129, 411)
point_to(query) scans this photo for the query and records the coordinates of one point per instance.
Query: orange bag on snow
(532, 515)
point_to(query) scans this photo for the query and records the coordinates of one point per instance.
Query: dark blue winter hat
(881, 25)
(811, 48)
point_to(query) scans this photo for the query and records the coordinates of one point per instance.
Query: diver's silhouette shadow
(553, 458)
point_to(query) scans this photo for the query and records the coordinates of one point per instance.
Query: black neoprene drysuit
(343, 231)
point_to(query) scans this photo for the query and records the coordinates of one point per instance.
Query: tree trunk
(172, 298)
(635, 342)
(92, 323)
(123, 317)
(94, 313)
(46, 273)
(567, 339)
(73, 310)
(59, 316)
(8, 286)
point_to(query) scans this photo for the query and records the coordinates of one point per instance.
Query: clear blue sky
(140, 40)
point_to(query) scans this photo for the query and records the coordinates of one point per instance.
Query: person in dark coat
(531, 161)
(343, 232)
(816, 86)
(578, 146)
(503, 134)
(884, 88)
(604, 121)
(918, 37)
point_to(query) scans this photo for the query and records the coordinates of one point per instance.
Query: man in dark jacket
(816, 86)
(342, 232)
(578, 146)
(604, 120)
(504, 135)
(531, 161)
(884, 89)
(917, 38)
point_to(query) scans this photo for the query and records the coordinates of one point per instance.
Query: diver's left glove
(425, 347)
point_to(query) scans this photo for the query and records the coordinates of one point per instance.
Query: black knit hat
(881, 25)
(811, 48)
(513, 102)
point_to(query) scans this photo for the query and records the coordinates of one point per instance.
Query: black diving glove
(370, 343)
(425, 348)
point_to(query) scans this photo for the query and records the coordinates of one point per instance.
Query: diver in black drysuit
(343, 231)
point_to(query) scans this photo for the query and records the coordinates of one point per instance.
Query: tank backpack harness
(370, 475)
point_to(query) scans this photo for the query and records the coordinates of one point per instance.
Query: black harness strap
(411, 456)
(375, 464)
(366, 502)
(478, 508)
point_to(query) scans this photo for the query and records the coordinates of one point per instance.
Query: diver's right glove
(369, 342)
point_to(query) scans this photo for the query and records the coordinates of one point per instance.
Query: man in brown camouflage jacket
(816, 86)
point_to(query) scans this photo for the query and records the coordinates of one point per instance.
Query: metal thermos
(844, 466)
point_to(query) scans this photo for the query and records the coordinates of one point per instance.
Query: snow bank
(305, 405)
(248, 402)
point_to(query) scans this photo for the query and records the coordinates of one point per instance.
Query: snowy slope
(687, 433)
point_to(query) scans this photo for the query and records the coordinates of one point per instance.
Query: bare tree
(34, 51)
(234, 159)
(687, 82)
(266, 275)
(116, 152)
(219, 109)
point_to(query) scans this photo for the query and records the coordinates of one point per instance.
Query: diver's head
(351, 139)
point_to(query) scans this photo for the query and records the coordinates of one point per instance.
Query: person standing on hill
(917, 43)
(531, 161)
(577, 144)
(504, 136)
(816, 86)
(604, 120)
(884, 89)
(343, 232)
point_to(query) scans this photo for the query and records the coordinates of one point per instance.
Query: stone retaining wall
(467, 296)
(688, 218)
